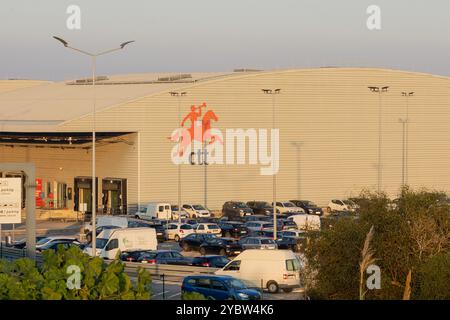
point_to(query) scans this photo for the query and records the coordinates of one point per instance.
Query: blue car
(219, 288)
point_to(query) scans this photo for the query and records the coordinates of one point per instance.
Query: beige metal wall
(330, 111)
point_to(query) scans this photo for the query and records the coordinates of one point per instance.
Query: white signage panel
(10, 200)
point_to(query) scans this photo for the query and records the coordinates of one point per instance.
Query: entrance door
(114, 196)
(83, 194)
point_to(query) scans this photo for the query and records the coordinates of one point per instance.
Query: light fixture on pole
(94, 187)
(178, 95)
(407, 95)
(273, 93)
(379, 91)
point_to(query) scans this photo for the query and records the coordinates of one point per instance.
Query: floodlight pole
(94, 186)
(406, 138)
(178, 95)
(273, 93)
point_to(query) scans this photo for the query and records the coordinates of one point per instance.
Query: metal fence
(159, 271)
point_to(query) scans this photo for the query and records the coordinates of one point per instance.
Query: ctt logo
(201, 144)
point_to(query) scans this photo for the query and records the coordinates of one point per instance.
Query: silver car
(258, 243)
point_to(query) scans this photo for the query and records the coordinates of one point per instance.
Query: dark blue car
(219, 288)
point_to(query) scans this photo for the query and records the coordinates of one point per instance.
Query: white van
(271, 269)
(121, 222)
(111, 241)
(306, 221)
(155, 210)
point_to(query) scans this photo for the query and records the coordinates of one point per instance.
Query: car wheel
(136, 217)
(272, 286)
(186, 247)
(177, 238)
(194, 216)
(202, 251)
(227, 234)
(288, 290)
(222, 252)
(328, 209)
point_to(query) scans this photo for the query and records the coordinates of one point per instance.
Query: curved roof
(41, 105)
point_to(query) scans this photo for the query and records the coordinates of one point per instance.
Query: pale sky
(211, 35)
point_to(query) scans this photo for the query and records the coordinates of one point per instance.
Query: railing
(170, 272)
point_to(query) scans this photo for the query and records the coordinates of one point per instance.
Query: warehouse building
(327, 120)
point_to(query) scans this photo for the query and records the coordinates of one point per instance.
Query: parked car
(175, 215)
(234, 229)
(308, 206)
(156, 257)
(193, 241)
(196, 210)
(21, 244)
(261, 207)
(290, 243)
(269, 234)
(212, 261)
(337, 205)
(275, 269)
(48, 240)
(192, 222)
(219, 288)
(288, 207)
(294, 233)
(306, 221)
(208, 220)
(208, 228)
(57, 244)
(286, 224)
(160, 231)
(257, 243)
(177, 231)
(258, 225)
(221, 246)
(258, 218)
(236, 209)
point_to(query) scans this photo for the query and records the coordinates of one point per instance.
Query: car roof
(212, 276)
(60, 238)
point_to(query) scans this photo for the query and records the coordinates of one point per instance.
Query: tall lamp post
(94, 189)
(273, 93)
(407, 95)
(178, 95)
(379, 91)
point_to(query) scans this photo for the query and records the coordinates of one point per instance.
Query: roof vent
(175, 77)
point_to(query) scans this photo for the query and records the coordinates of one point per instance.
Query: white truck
(155, 210)
(306, 221)
(111, 241)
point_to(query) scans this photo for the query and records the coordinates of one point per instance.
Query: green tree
(22, 280)
(406, 236)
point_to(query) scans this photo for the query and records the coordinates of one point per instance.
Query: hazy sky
(212, 35)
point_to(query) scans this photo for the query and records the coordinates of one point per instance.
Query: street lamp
(273, 93)
(94, 189)
(406, 138)
(379, 90)
(178, 95)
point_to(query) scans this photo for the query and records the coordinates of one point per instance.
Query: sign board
(10, 200)
(39, 194)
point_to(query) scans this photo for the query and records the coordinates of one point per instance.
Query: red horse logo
(200, 130)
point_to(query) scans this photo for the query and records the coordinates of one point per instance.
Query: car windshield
(100, 243)
(237, 284)
(267, 241)
(349, 202)
(213, 226)
(241, 205)
(198, 207)
(267, 225)
(148, 255)
(186, 227)
(42, 241)
(288, 204)
(292, 265)
(310, 203)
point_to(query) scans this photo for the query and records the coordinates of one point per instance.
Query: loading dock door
(83, 193)
(114, 196)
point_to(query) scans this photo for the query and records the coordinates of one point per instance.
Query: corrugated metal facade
(330, 111)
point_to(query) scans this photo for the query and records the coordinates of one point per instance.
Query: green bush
(433, 279)
(22, 280)
(192, 296)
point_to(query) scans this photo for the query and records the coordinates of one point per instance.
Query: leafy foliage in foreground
(410, 236)
(22, 280)
(192, 296)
